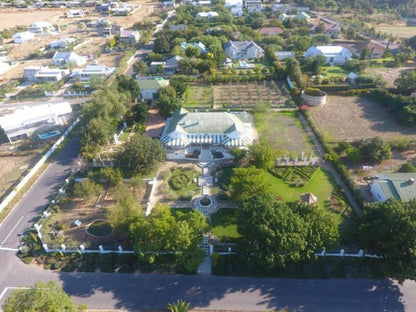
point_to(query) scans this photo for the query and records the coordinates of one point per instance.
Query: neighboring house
(284, 8)
(254, 6)
(377, 49)
(42, 27)
(225, 129)
(178, 27)
(75, 13)
(150, 86)
(168, 4)
(199, 45)
(65, 58)
(62, 43)
(332, 30)
(207, 15)
(206, 3)
(352, 76)
(130, 37)
(236, 7)
(300, 16)
(168, 67)
(237, 11)
(28, 119)
(95, 70)
(282, 55)
(243, 50)
(106, 28)
(394, 185)
(271, 31)
(333, 54)
(44, 74)
(22, 37)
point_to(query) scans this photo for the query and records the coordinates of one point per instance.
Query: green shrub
(312, 91)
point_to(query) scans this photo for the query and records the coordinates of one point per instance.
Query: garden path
(328, 166)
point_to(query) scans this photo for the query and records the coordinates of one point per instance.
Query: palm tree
(178, 306)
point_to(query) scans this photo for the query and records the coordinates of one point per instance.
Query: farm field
(353, 118)
(237, 95)
(399, 31)
(388, 74)
(284, 132)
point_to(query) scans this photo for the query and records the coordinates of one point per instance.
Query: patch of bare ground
(154, 123)
(388, 74)
(353, 118)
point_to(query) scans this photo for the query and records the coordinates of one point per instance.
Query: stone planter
(312, 100)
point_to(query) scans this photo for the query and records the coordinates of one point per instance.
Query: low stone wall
(314, 100)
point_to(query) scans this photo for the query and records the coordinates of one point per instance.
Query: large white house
(394, 185)
(26, 120)
(44, 74)
(65, 58)
(334, 54)
(41, 27)
(207, 15)
(242, 50)
(95, 70)
(224, 129)
(22, 37)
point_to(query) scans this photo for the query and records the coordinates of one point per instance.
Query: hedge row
(344, 87)
(337, 162)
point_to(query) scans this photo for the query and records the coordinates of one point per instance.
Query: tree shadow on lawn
(154, 291)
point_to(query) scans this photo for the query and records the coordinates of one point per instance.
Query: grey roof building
(394, 185)
(218, 128)
(245, 50)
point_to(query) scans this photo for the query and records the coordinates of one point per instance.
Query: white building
(26, 120)
(75, 13)
(150, 87)
(61, 43)
(129, 37)
(235, 6)
(300, 16)
(65, 58)
(22, 37)
(394, 185)
(89, 71)
(282, 55)
(254, 6)
(42, 27)
(224, 129)
(207, 15)
(334, 54)
(44, 74)
(242, 50)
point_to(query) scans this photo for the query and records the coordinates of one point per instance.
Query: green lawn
(284, 131)
(333, 71)
(186, 187)
(199, 95)
(399, 31)
(321, 185)
(224, 225)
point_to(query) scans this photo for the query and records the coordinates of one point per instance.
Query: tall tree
(140, 154)
(42, 297)
(167, 101)
(388, 229)
(247, 182)
(262, 155)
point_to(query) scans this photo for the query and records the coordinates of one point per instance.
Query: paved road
(153, 291)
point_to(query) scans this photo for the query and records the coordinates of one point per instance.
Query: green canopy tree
(247, 182)
(388, 229)
(42, 297)
(167, 101)
(275, 233)
(262, 155)
(140, 154)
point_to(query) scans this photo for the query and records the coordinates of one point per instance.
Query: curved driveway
(153, 291)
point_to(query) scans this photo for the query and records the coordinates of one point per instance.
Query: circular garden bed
(205, 201)
(179, 182)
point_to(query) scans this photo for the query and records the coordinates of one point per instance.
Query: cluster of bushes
(403, 107)
(370, 149)
(239, 78)
(312, 91)
(295, 176)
